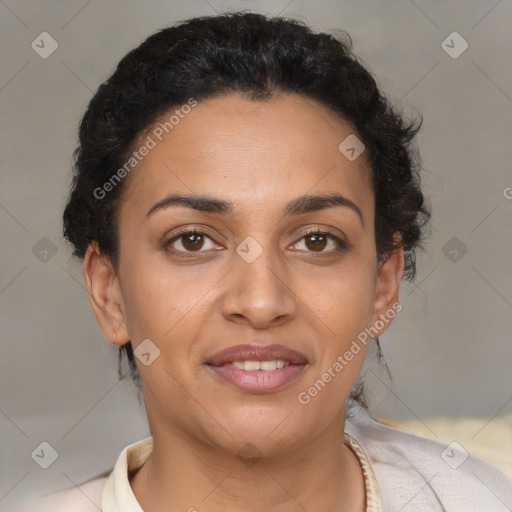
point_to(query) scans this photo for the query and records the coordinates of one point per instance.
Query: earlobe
(389, 276)
(105, 295)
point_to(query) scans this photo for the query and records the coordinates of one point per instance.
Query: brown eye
(192, 241)
(316, 242)
(189, 242)
(321, 242)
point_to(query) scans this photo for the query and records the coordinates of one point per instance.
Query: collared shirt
(403, 472)
(118, 495)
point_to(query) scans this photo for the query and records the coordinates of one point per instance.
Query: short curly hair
(257, 56)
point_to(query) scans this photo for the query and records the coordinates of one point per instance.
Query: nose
(260, 293)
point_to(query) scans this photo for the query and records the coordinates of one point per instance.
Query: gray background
(449, 350)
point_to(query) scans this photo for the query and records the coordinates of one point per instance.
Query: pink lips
(257, 381)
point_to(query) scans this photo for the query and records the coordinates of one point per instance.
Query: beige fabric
(118, 495)
(413, 474)
(488, 439)
(373, 503)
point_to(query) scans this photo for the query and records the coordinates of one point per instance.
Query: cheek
(344, 299)
(148, 297)
(158, 300)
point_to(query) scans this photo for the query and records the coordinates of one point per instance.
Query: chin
(266, 428)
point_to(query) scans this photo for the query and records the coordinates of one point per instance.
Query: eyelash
(341, 244)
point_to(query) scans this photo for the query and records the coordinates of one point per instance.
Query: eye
(198, 241)
(192, 240)
(317, 241)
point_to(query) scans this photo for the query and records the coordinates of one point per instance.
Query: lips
(239, 366)
(256, 353)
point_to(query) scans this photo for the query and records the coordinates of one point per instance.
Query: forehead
(257, 154)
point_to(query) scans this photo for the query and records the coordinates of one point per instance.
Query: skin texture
(259, 155)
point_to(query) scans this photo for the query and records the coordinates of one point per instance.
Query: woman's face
(255, 275)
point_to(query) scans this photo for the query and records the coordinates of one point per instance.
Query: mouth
(256, 368)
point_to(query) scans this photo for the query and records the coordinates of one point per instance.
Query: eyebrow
(302, 204)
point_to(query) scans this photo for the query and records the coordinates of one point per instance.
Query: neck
(186, 474)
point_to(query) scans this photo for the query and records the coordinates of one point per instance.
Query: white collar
(118, 495)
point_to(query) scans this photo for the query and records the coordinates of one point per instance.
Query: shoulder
(83, 498)
(107, 488)
(416, 473)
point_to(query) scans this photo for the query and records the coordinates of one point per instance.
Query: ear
(389, 275)
(105, 295)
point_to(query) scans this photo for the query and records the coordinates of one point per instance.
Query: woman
(246, 203)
